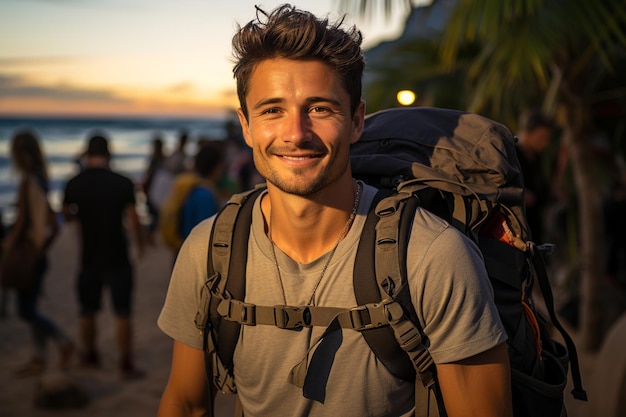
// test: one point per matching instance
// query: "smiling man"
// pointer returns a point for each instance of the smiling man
(299, 86)
(297, 122)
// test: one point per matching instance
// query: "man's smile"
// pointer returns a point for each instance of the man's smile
(299, 157)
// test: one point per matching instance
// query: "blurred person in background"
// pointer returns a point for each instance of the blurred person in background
(103, 201)
(535, 134)
(194, 195)
(155, 165)
(176, 162)
(173, 164)
(36, 219)
(241, 167)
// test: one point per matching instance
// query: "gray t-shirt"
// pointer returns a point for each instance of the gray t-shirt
(449, 288)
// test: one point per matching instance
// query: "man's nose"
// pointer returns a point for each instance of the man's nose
(297, 128)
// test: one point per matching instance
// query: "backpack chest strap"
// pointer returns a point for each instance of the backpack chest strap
(363, 317)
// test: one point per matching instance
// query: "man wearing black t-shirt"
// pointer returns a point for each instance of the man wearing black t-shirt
(102, 200)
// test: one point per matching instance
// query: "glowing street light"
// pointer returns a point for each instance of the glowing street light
(406, 97)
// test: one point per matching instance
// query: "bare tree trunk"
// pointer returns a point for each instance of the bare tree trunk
(591, 225)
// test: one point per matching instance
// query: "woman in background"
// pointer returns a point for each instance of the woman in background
(155, 167)
(35, 215)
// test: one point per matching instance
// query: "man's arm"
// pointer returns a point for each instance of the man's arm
(478, 386)
(187, 390)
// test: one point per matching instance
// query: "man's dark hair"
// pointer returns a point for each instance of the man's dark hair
(290, 33)
(208, 159)
(98, 145)
(534, 119)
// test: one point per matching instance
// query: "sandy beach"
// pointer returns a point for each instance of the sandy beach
(108, 394)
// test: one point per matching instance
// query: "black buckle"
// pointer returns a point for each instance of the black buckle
(237, 311)
(360, 318)
(291, 317)
(368, 316)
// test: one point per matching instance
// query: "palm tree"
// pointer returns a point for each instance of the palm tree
(564, 51)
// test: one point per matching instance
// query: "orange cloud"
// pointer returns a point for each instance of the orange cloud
(19, 95)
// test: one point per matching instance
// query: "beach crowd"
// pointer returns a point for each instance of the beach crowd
(81, 333)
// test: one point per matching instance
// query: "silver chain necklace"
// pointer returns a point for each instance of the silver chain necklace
(343, 233)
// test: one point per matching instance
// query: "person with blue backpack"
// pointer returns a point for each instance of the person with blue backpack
(299, 86)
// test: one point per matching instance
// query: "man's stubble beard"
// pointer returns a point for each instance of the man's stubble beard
(305, 187)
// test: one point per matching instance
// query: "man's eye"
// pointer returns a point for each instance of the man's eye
(318, 109)
(270, 111)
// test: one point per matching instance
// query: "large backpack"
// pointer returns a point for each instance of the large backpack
(462, 167)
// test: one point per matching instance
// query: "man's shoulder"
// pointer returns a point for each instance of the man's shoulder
(76, 179)
(98, 179)
(99, 172)
(429, 229)
(203, 229)
(118, 175)
(117, 178)
(427, 219)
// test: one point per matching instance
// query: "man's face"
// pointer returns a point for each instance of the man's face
(299, 124)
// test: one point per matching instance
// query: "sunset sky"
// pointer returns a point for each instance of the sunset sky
(153, 57)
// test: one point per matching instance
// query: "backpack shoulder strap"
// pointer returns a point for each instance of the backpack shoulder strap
(538, 263)
(366, 289)
(380, 266)
(226, 274)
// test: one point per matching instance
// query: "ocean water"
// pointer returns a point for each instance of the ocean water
(63, 139)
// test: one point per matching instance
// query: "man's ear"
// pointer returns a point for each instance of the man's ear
(358, 122)
(245, 128)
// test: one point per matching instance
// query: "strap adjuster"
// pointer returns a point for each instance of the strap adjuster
(368, 316)
(238, 311)
(410, 337)
(292, 317)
